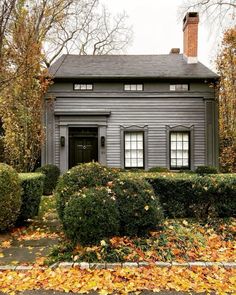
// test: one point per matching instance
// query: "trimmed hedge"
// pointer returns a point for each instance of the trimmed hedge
(82, 176)
(159, 169)
(139, 208)
(203, 170)
(10, 196)
(91, 215)
(32, 186)
(196, 196)
(52, 173)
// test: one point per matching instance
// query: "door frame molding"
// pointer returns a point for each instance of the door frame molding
(65, 122)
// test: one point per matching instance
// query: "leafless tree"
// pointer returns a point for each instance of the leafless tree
(6, 7)
(220, 13)
(88, 28)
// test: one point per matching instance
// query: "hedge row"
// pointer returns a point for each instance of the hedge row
(10, 196)
(20, 194)
(32, 190)
(183, 195)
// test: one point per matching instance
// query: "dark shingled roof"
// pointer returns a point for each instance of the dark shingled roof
(128, 66)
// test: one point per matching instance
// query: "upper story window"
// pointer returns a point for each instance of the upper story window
(179, 87)
(83, 87)
(133, 87)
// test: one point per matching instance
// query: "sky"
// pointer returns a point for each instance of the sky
(157, 28)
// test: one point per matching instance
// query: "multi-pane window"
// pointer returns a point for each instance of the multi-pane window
(134, 150)
(179, 150)
(133, 87)
(179, 87)
(83, 87)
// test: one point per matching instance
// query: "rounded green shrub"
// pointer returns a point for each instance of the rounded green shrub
(202, 170)
(52, 173)
(32, 191)
(81, 176)
(139, 208)
(10, 196)
(91, 215)
(159, 169)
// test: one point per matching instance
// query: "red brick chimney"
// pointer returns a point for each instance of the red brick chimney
(190, 29)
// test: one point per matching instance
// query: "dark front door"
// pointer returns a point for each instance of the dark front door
(83, 145)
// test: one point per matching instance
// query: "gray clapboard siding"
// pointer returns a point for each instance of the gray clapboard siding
(157, 112)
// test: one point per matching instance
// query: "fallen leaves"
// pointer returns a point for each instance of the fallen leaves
(122, 280)
(177, 240)
(27, 234)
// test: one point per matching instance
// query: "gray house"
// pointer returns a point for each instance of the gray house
(133, 111)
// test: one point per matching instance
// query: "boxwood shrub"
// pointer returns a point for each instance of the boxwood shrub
(196, 196)
(84, 175)
(52, 173)
(10, 196)
(32, 190)
(139, 208)
(91, 215)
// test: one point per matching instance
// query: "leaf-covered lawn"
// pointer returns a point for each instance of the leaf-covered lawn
(177, 240)
(122, 281)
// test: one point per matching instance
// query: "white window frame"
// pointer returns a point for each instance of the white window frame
(83, 86)
(179, 87)
(180, 128)
(134, 128)
(133, 87)
(133, 145)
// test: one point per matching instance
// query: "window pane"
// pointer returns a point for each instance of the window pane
(133, 137)
(134, 163)
(89, 86)
(140, 87)
(127, 163)
(172, 87)
(140, 145)
(185, 145)
(179, 136)
(179, 162)
(173, 162)
(185, 162)
(173, 136)
(179, 145)
(133, 145)
(77, 86)
(185, 154)
(127, 87)
(179, 154)
(127, 145)
(173, 154)
(140, 162)
(127, 137)
(173, 145)
(139, 136)
(140, 154)
(185, 137)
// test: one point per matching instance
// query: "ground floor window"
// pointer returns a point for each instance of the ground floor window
(134, 149)
(179, 150)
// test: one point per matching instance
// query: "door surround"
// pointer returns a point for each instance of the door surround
(83, 145)
(66, 122)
